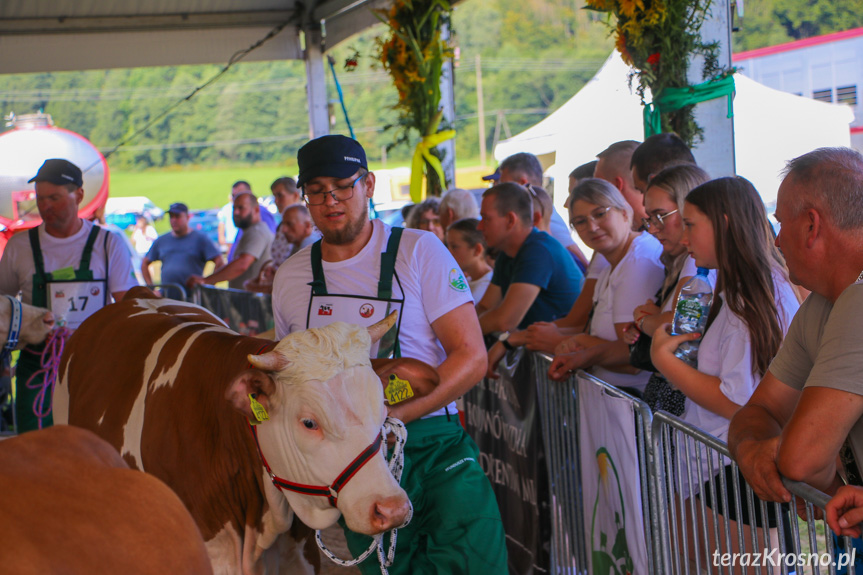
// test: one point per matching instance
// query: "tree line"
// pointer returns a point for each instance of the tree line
(534, 54)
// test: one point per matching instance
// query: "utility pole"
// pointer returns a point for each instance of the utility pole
(480, 109)
(716, 152)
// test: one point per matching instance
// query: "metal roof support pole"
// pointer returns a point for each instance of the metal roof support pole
(715, 153)
(316, 83)
(447, 92)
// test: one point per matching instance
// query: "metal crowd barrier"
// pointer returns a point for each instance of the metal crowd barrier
(691, 494)
(168, 290)
(245, 312)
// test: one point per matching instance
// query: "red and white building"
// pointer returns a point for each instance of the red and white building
(828, 68)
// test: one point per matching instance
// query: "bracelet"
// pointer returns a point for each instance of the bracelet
(507, 345)
(640, 323)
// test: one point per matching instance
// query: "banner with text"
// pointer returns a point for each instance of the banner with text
(611, 489)
(502, 416)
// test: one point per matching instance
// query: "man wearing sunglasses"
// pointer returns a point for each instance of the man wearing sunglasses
(359, 272)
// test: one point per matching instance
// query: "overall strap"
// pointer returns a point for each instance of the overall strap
(88, 248)
(388, 264)
(318, 283)
(37, 250)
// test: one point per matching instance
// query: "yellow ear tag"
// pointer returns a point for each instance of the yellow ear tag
(397, 390)
(258, 410)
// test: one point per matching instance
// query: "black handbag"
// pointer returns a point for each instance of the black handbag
(639, 353)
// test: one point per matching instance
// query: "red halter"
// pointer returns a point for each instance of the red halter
(331, 492)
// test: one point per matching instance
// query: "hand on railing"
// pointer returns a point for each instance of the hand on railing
(757, 461)
(845, 511)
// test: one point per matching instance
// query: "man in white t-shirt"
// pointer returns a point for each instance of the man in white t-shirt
(811, 399)
(359, 272)
(66, 264)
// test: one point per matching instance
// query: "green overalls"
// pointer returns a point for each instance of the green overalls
(86, 295)
(456, 526)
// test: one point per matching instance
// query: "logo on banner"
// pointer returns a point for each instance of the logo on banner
(457, 281)
(610, 551)
(325, 309)
(59, 294)
(94, 291)
(366, 310)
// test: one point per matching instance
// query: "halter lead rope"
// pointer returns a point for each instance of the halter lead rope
(50, 361)
(396, 465)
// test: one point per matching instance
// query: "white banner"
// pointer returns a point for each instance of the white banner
(611, 488)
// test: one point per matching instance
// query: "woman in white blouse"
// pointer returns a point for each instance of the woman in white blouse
(726, 229)
(603, 220)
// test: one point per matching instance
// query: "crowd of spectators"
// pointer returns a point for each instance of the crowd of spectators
(777, 380)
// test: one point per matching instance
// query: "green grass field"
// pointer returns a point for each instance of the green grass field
(206, 187)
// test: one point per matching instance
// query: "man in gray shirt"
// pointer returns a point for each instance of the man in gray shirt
(251, 251)
(810, 401)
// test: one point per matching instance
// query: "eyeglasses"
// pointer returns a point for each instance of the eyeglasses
(656, 220)
(596, 217)
(316, 195)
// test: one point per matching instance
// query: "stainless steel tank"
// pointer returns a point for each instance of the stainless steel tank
(30, 140)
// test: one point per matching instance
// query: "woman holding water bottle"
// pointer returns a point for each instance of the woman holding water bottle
(726, 229)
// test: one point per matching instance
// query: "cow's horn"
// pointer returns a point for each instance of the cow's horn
(377, 331)
(270, 361)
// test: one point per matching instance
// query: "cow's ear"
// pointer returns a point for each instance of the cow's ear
(251, 382)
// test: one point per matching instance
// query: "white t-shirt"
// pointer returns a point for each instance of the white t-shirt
(17, 266)
(427, 277)
(621, 289)
(726, 352)
(597, 265)
(479, 285)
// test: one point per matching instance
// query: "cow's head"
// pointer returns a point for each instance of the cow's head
(36, 323)
(325, 405)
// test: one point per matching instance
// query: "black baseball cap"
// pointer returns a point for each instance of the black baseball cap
(332, 156)
(59, 172)
(493, 177)
(178, 208)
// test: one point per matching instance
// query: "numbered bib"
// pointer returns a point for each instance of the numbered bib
(72, 302)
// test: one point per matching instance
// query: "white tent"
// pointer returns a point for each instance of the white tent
(770, 127)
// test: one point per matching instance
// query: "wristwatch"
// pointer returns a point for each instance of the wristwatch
(504, 339)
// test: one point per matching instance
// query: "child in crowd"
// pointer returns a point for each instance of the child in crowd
(467, 246)
(726, 229)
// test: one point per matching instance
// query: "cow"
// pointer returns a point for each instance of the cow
(170, 386)
(70, 504)
(36, 323)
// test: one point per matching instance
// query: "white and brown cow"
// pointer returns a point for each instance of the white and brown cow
(70, 504)
(36, 323)
(151, 376)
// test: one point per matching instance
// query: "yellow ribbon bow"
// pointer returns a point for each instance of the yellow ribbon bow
(423, 152)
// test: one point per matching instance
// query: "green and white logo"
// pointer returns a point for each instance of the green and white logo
(457, 281)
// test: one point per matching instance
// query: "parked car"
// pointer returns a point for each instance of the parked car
(122, 211)
(206, 222)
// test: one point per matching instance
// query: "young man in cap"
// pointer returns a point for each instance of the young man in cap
(359, 272)
(66, 264)
(183, 252)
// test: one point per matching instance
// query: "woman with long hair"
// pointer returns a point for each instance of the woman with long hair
(663, 203)
(726, 229)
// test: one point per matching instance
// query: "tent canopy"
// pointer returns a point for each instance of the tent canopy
(55, 35)
(770, 128)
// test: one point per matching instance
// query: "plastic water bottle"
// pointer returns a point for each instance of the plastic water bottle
(690, 314)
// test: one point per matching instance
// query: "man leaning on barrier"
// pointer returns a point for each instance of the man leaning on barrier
(811, 399)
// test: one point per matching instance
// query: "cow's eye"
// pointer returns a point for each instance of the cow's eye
(310, 423)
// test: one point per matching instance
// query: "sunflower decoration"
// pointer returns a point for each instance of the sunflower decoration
(412, 53)
(657, 38)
